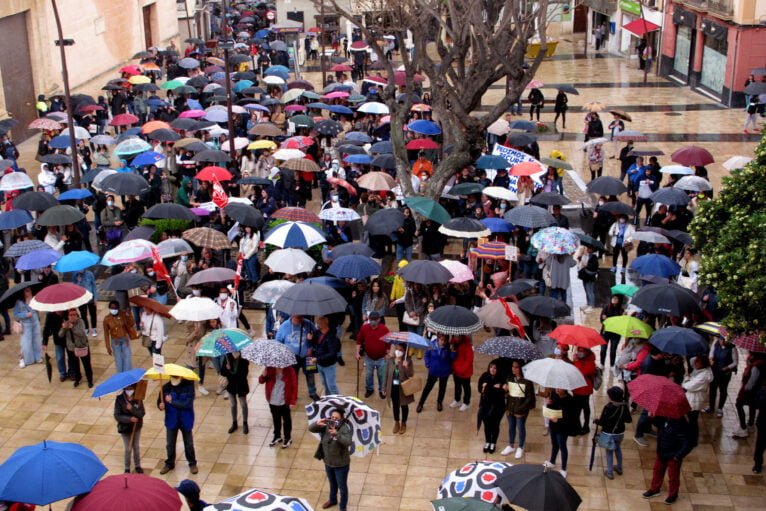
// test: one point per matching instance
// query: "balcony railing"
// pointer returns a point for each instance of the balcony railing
(603, 6)
(699, 4)
(724, 7)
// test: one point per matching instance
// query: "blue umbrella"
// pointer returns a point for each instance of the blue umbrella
(37, 259)
(424, 127)
(410, 338)
(89, 176)
(385, 147)
(318, 105)
(357, 137)
(129, 133)
(655, 264)
(147, 158)
(118, 381)
(679, 341)
(277, 73)
(340, 109)
(75, 194)
(328, 281)
(262, 33)
(48, 472)
(14, 219)
(357, 267)
(276, 68)
(523, 125)
(491, 161)
(193, 104)
(156, 102)
(497, 225)
(59, 142)
(360, 159)
(76, 261)
(242, 84)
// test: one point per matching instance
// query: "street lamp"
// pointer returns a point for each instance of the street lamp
(62, 44)
(226, 43)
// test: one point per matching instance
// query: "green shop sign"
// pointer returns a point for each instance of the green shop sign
(631, 7)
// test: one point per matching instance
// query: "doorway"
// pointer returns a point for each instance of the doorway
(580, 19)
(149, 12)
(18, 80)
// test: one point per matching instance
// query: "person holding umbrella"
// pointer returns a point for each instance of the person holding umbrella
(129, 414)
(76, 336)
(31, 337)
(51, 328)
(614, 416)
(336, 437)
(621, 234)
(521, 400)
(281, 394)
(674, 443)
(177, 401)
(612, 309)
(85, 278)
(235, 370)
(398, 370)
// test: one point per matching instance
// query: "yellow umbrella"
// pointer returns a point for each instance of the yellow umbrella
(171, 370)
(262, 144)
(137, 79)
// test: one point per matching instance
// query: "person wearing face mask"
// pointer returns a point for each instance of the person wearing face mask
(112, 222)
(439, 364)
(129, 414)
(336, 438)
(369, 341)
(153, 329)
(119, 329)
(399, 369)
(492, 388)
(585, 362)
(177, 400)
(180, 273)
(621, 234)
(230, 308)
(236, 370)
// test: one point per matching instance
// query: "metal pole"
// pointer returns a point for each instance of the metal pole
(321, 35)
(67, 95)
(229, 114)
(188, 23)
(646, 67)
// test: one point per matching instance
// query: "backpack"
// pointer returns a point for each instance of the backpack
(598, 378)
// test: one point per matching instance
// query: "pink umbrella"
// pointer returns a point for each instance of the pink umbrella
(59, 297)
(336, 95)
(192, 114)
(295, 108)
(123, 120)
(128, 252)
(385, 119)
(535, 84)
(459, 271)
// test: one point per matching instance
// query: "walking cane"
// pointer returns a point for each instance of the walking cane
(593, 449)
(357, 378)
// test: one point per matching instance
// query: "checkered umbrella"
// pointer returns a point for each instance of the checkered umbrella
(750, 342)
(24, 247)
(530, 216)
(207, 237)
(301, 164)
(453, 320)
(296, 215)
(268, 353)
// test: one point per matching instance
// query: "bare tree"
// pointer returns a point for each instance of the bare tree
(463, 47)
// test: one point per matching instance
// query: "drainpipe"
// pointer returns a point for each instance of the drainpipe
(734, 71)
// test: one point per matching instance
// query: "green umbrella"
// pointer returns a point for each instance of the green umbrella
(624, 289)
(590, 242)
(223, 341)
(466, 189)
(302, 121)
(556, 163)
(628, 326)
(172, 84)
(462, 504)
(428, 208)
(311, 95)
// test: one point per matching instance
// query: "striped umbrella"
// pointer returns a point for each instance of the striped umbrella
(712, 327)
(490, 250)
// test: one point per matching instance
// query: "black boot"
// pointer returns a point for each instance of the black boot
(233, 428)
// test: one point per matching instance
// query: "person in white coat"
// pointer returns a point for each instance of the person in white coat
(53, 240)
(230, 308)
(153, 327)
(47, 179)
(697, 387)
(248, 247)
(621, 234)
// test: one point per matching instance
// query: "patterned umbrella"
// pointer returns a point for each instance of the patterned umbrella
(659, 395)
(453, 320)
(555, 240)
(364, 421)
(294, 235)
(712, 328)
(223, 341)
(261, 501)
(128, 252)
(301, 164)
(268, 353)
(474, 480)
(207, 237)
(294, 214)
(750, 342)
(339, 215)
(490, 250)
(59, 297)
(510, 347)
(196, 308)
(269, 292)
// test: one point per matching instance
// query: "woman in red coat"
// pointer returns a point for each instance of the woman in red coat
(281, 394)
(585, 362)
(462, 370)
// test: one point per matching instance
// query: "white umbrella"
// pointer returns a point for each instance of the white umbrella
(289, 154)
(15, 181)
(498, 192)
(128, 252)
(677, 169)
(269, 292)
(373, 108)
(196, 309)
(693, 184)
(594, 141)
(554, 374)
(239, 143)
(339, 214)
(499, 127)
(101, 176)
(273, 80)
(291, 261)
(174, 247)
(81, 133)
(736, 162)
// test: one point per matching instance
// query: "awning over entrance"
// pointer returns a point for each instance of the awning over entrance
(640, 27)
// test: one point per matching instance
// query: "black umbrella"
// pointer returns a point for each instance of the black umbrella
(24, 247)
(466, 189)
(464, 227)
(35, 201)
(384, 222)
(56, 159)
(384, 161)
(354, 248)
(245, 215)
(529, 216)
(590, 242)
(516, 287)
(146, 87)
(310, 299)
(666, 300)
(170, 210)
(425, 272)
(510, 347)
(125, 183)
(196, 147)
(755, 89)
(10, 296)
(618, 208)
(239, 59)
(184, 123)
(350, 149)
(536, 487)
(679, 341)
(453, 320)
(164, 135)
(680, 236)
(60, 215)
(544, 306)
(245, 75)
(569, 89)
(198, 81)
(671, 197)
(211, 156)
(252, 180)
(549, 199)
(89, 176)
(125, 281)
(606, 185)
(140, 233)
(521, 139)
(646, 151)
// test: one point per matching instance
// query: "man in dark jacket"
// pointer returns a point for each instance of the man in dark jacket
(177, 400)
(53, 322)
(674, 443)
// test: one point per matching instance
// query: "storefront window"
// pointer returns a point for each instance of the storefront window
(683, 47)
(714, 64)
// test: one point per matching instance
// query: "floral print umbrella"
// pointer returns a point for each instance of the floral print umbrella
(555, 240)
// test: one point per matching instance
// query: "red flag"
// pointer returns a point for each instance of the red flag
(220, 198)
(159, 266)
(240, 261)
(513, 319)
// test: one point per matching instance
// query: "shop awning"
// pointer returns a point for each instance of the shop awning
(641, 27)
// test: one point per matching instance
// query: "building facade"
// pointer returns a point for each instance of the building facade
(714, 45)
(106, 33)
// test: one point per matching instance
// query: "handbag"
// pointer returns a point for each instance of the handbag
(550, 413)
(409, 320)
(412, 386)
(81, 352)
(146, 341)
(310, 365)
(17, 327)
(319, 453)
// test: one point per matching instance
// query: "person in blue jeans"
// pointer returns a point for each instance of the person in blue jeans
(369, 340)
(521, 399)
(53, 322)
(31, 337)
(119, 329)
(613, 418)
(561, 427)
(295, 335)
(325, 349)
(336, 440)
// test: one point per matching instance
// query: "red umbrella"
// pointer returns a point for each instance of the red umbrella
(212, 172)
(132, 70)
(128, 492)
(577, 335)
(90, 108)
(525, 168)
(342, 182)
(422, 143)
(59, 297)
(123, 120)
(340, 68)
(692, 156)
(376, 79)
(296, 215)
(297, 143)
(750, 342)
(359, 45)
(660, 396)
(400, 78)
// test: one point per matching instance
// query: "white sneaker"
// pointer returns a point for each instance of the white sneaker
(563, 473)
(464, 407)
(519, 453)
(251, 332)
(203, 391)
(548, 464)
(21, 363)
(94, 332)
(454, 404)
(508, 450)
(740, 433)
(226, 396)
